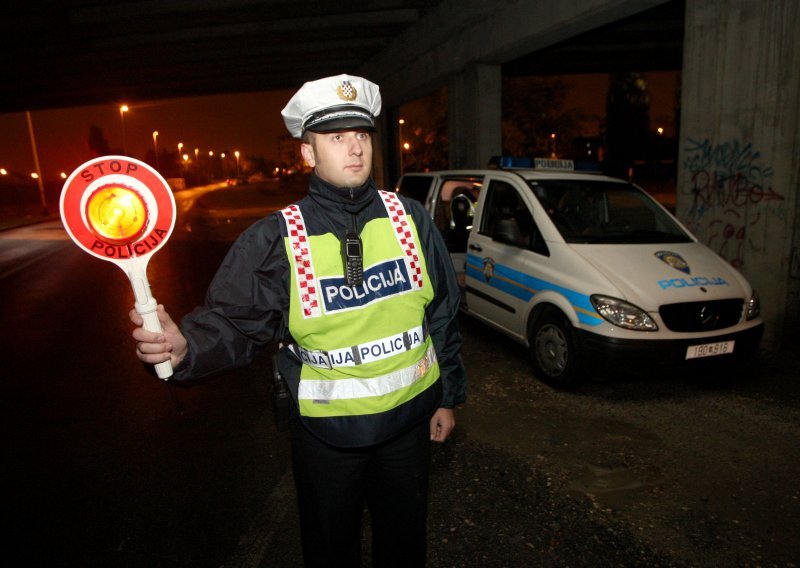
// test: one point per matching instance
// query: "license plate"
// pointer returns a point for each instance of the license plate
(709, 349)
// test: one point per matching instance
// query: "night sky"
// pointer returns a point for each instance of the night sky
(249, 123)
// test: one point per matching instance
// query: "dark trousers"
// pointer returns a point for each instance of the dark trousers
(334, 485)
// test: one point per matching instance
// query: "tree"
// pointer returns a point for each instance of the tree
(425, 132)
(98, 145)
(628, 122)
(534, 120)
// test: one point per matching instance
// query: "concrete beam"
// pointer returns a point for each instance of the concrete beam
(461, 33)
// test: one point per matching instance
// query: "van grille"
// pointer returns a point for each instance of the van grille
(702, 316)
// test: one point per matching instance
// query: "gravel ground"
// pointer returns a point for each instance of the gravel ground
(662, 469)
(659, 471)
(491, 509)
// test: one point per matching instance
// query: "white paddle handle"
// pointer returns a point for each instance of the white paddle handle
(146, 307)
(151, 323)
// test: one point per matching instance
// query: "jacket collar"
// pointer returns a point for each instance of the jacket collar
(328, 194)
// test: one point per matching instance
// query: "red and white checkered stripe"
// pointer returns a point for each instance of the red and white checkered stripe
(303, 268)
(402, 230)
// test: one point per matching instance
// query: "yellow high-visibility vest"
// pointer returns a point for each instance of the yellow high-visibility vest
(367, 359)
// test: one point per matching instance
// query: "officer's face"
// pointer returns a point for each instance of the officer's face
(341, 158)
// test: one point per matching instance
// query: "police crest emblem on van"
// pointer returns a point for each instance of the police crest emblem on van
(675, 260)
(488, 268)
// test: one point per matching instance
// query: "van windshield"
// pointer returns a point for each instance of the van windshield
(605, 212)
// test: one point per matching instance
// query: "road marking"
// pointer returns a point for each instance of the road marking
(15, 259)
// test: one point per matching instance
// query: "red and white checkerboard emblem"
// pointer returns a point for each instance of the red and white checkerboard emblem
(402, 230)
(303, 268)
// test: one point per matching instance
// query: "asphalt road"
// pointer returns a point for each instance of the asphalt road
(105, 465)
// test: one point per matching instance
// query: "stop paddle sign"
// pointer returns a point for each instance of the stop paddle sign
(121, 210)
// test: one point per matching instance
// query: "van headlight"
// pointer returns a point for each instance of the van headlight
(752, 308)
(623, 314)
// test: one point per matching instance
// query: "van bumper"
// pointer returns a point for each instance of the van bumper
(602, 354)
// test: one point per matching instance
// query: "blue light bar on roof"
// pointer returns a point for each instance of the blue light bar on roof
(510, 162)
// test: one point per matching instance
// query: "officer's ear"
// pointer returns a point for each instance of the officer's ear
(307, 151)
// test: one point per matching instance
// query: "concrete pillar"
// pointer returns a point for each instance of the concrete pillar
(382, 172)
(739, 156)
(387, 161)
(473, 116)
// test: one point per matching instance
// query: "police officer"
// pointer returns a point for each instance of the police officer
(358, 288)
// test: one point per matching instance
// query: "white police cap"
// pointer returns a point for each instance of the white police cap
(334, 103)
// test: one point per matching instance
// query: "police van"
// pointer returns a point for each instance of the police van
(589, 272)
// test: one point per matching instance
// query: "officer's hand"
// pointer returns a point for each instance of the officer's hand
(153, 347)
(442, 423)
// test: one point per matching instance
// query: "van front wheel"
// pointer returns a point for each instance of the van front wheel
(555, 353)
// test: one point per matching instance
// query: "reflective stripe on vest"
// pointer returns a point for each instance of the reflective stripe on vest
(303, 268)
(322, 391)
(363, 353)
(398, 217)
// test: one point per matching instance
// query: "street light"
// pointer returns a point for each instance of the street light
(210, 163)
(401, 122)
(122, 110)
(236, 153)
(155, 147)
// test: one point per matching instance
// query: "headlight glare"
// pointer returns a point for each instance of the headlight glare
(623, 314)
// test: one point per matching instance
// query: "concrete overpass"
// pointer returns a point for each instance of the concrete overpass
(739, 156)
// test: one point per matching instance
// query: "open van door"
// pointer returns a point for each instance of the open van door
(453, 210)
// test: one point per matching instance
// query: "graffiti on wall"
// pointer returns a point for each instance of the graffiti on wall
(730, 192)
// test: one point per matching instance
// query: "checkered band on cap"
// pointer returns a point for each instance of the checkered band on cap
(303, 268)
(405, 237)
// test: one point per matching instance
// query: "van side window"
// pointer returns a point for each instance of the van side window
(507, 219)
(415, 187)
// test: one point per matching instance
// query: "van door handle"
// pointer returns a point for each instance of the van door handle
(475, 247)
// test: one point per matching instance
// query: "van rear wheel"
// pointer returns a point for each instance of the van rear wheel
(556, 357)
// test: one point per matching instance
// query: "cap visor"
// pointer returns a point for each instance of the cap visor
(344, 123)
